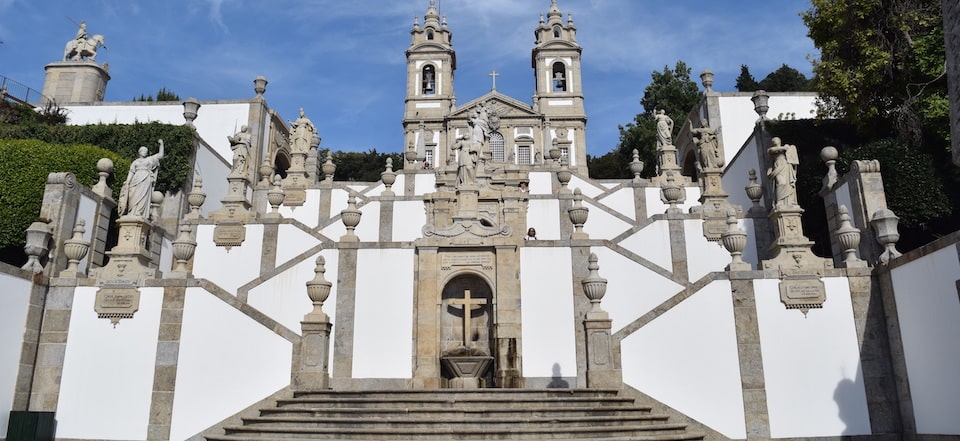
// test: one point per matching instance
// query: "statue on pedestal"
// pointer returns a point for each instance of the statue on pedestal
(709, 154)
(240, 144)
(467, 158)
(783, 173)
(81, 47)
(664, 129)
(138, 188)
(303, 132)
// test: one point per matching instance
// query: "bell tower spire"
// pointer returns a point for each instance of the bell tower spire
(431, 62)
(559, 95)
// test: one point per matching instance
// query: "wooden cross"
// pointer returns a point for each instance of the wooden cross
(468, 303)
(494, 75)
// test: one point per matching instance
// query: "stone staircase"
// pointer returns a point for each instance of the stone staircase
(484, 414)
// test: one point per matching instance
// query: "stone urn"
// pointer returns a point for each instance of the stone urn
(76, 248)
(196, 197)
(578, 214)
(564, 175)
(636, 166)
(328, 167)
(183, 248)
(410, 155)
(554, 153)
(468, 366)
(594, 286)
(753, 189)
(38, 234)
(275, 197)
(734, 239)
(848, 236)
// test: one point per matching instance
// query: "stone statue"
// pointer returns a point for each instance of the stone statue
(303, 132)
(138, 188)
(709, 154)
(240, 144)
(467, 159)
(664, 129)
(783, 173)
(479, 125)
(81, 47)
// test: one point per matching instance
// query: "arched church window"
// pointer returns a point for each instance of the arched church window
(429, 34)
(429, 86)
(496, 146)
(556, 31)
(559, 77)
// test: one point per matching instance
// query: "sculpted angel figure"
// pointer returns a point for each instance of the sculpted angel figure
(783, 173)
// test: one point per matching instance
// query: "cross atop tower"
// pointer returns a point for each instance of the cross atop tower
(494, 75)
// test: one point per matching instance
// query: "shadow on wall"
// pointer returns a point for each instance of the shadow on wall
(846, 397)
(557, 381)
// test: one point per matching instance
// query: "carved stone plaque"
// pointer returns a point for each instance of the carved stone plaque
(803, 293)
(115, 303)
(294, 196)
(229, 235)
(451, 261)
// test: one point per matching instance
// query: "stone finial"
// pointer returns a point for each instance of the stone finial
(564, 175)
(266, 173)
(578, 215)
(260, 86)
(183, 248)
(761, 101)
(735, 240)
(156, 199)
(829, 156)
(190, 108)
(350, 218)
(671, 193)
(75, 249)
(38, 235)
(636, 166)
(884, 223)
(594, 286)
(754, 190)
(318, 289)
(849, 237)
(328, 168)
(275, 197)
(388, 177)
(196, 198)
(706, 79)
(104, 168)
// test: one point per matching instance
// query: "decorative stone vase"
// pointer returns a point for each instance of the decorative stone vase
(594, 286)
(734, 239)
(260, 85)
(671, 192)
(76, 248)
(190, 108)
(578, 214)
(196, 197)
(706, 79)
(554, 153)
(328, 167)
(410, 155)
(848, 236)
(753, 189)
(275, 196)
(38, 234)
(564, 175)
(388, 177)
(351, 215)
(636, 166)
(760, 103)
(318, 289)
(884, 223)
(266, 172)
(183, 248)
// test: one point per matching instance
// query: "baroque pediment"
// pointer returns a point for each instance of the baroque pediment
(505, 105)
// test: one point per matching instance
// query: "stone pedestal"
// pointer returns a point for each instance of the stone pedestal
(233, 214)
(602, 370)
(667, 158)
(311, 369)
(713, 204)
(75, 82)
(130, 260)
(295, 184)
(467, 203)
(796, 265)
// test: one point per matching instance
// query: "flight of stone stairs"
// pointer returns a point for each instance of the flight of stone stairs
(483, 414)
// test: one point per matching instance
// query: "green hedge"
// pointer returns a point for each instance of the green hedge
(24, 166)
(122, 139)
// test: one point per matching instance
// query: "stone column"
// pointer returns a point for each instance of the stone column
(75, 82)
(426, 369)
(751, 359)
(603, 354)
(310, 358)
(678, 244)
(45, 387)
(508, 331)
(168, 351)
(346, 308)
(31, 344)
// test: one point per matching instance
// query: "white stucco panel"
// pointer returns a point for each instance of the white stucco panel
(307, 214)
(543, 215)
(424, 183)
(284, 297)
(227, 361)
(703, 256)
(622, 201)
(811, 365)
(687, 359)
(586, 187)
(409, 218)
(383, 315)
(291, 241)
(656, 206)
(603, 225)
(13, 318)
(229, 269)
(107, 381)
(541, 183)
(652, 243)
(547, 314)
(926, 294)
(632, 289)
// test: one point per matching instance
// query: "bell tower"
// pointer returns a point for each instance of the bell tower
(559, 95)
(431, 62)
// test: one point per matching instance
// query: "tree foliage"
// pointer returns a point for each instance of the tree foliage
(362, 166)
(784, 79)
(163, 94)
(881, 63)
(671, 90)
(745, 81)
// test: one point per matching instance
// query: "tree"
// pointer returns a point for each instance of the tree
(785, 79)
(671, 90)
(362, 166)
(163, 94)
(881, 63)
(746, 82)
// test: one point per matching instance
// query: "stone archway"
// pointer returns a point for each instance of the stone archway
(466, 292)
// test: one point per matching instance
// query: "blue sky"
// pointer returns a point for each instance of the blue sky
(343, 61)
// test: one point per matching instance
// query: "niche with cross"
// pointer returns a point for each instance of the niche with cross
(465, 319)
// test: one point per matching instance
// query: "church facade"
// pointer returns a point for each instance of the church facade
(266, 281)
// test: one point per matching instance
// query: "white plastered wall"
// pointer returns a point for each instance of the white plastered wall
(811, 364)
(687, 359)
(284, 298)
(229, 269)
(383, 315)
(632, 289)
(107, 381)
(737, 176)
(926, 295)
(214, 170)
(657, 206)
(738, 117)
(543, 215)
(704, 257)
(13, 318)
(622, 201)
(541, 183)
(227, 362)
(547, 314)
(409, 218)
(308, 213)
(603, 225)
(424, 183)
(86, 210)
(652, 242)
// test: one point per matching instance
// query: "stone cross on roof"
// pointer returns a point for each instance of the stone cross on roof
(494, 75)
(468, 303)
